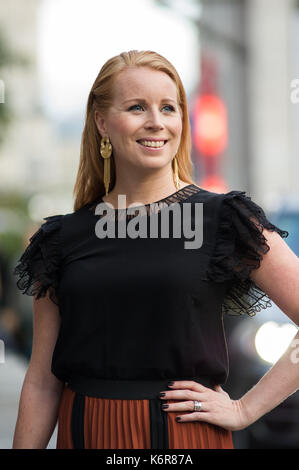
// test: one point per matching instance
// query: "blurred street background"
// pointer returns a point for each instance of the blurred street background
(239, 63)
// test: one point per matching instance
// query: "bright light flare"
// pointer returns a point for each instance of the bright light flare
(272, 340)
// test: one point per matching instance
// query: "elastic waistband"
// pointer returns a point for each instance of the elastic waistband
(126, 389)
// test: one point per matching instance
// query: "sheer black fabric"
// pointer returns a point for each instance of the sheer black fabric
(145, 209)
(38, 267)
(239, 249)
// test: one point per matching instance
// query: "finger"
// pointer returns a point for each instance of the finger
(190, 384)
(179, 406)
(196, 416)
(184, 395)
(182, 406)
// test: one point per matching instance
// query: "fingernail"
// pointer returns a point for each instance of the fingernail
(164, 406)
(170, 383)
(178, 418)
(162, 394)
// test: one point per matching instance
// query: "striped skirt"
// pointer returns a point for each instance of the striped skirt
(92, 422)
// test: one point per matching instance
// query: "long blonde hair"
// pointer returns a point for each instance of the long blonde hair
(89, 183)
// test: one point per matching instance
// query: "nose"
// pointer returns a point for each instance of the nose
(154, 120)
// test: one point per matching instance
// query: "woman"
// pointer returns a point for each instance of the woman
(129, 350)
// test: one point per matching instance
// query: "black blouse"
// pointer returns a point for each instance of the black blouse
(148, 308)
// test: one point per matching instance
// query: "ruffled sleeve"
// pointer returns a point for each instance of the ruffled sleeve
(240, 246)
(38, 268)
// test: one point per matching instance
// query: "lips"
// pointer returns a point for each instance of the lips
(151, 140)
(152, 148)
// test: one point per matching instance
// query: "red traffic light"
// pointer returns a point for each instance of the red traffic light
(210, 125)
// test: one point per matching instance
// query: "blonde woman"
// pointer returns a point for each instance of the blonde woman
(129, 349)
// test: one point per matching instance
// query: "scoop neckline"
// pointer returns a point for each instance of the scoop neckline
(178, 197)
(176, 193)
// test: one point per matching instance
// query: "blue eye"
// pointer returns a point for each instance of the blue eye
(166, 106)
(134, 106)
(169, 106)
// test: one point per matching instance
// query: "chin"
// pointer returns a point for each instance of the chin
(155, 162)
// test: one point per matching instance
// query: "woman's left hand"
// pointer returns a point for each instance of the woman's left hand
(217, 406)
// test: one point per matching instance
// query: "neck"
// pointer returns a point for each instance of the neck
(143, 192)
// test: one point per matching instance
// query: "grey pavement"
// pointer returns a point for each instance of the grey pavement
(12, 373)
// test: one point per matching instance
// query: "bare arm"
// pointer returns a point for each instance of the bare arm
(41, 391)
(277, 276)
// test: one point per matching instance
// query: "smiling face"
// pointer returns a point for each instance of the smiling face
(144, 107)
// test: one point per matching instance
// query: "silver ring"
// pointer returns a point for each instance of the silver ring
(197, 405)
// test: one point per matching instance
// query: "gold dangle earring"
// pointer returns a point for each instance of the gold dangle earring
(106, 151)
(176, 173)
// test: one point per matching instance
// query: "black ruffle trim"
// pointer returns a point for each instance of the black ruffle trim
(38, 267)
(240, 246)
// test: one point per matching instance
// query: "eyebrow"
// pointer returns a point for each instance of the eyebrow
(144, 101)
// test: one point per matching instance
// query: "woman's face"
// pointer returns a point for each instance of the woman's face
(144, 108)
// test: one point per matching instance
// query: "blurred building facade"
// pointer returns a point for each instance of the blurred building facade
(270, 72)
(252, 43)
(34, 157)
(222, 27)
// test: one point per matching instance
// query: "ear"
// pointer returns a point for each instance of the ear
(100, 123)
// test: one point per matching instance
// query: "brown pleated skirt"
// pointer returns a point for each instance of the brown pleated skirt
(125, 424)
